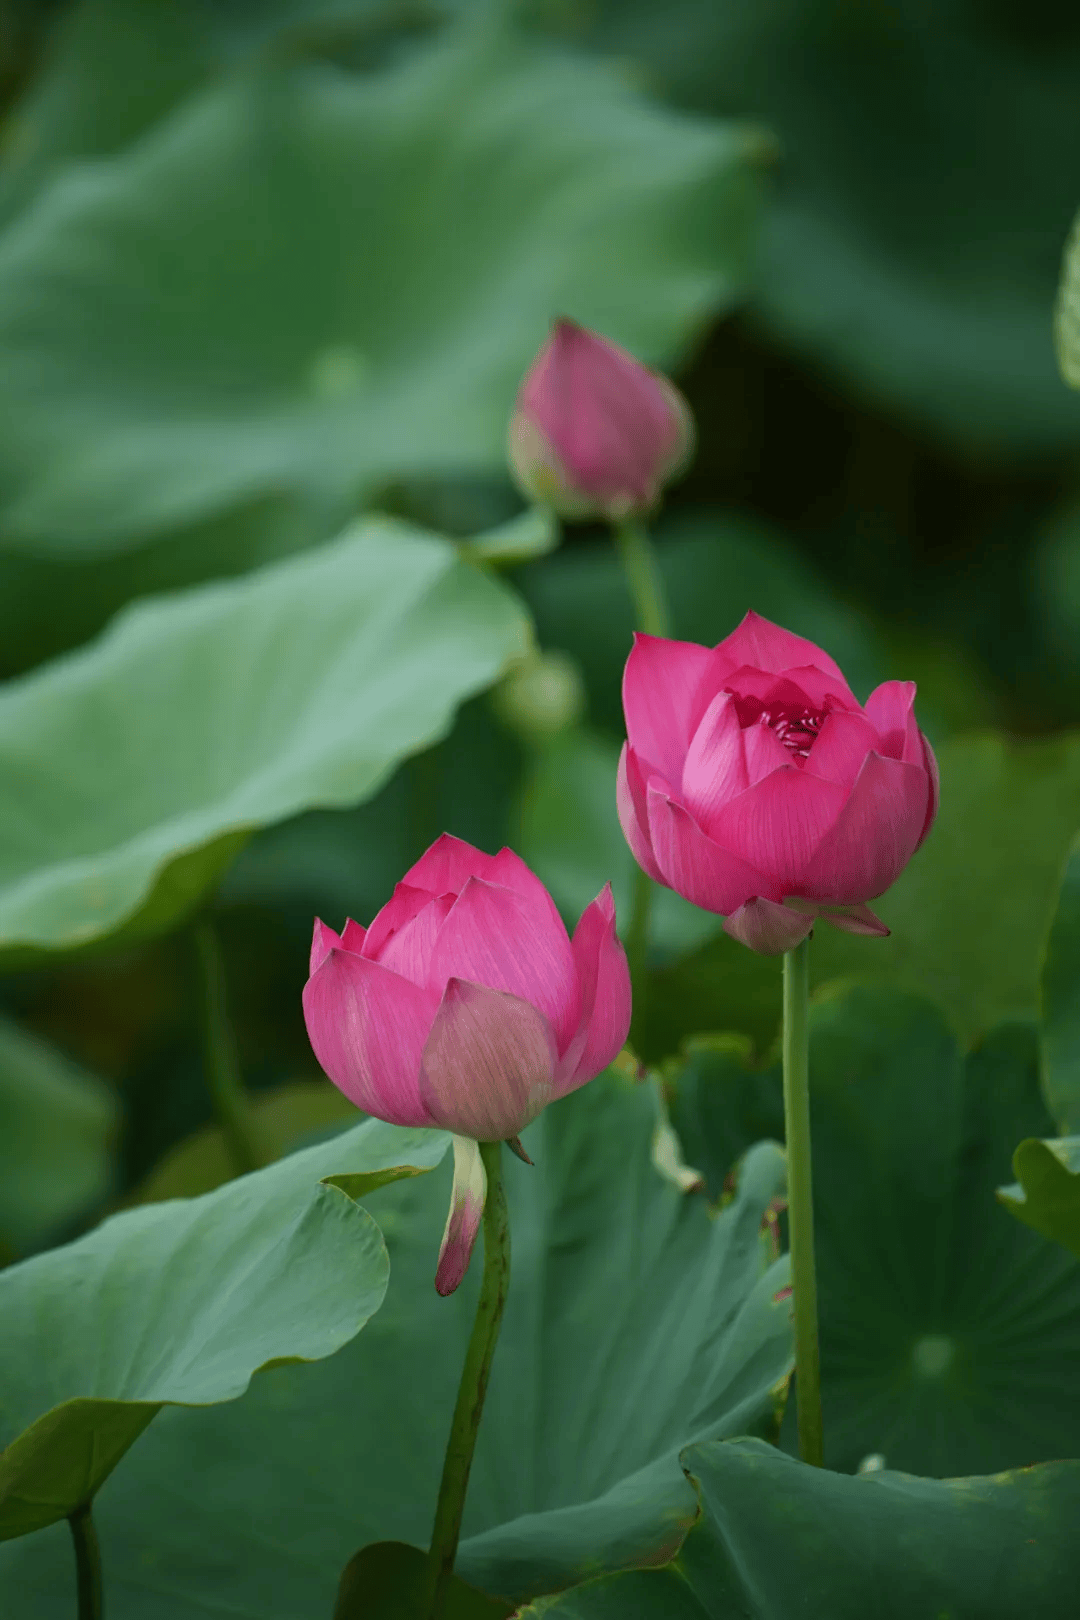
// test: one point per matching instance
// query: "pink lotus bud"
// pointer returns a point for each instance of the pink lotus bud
(753, 783)
(466, 1006)
(594, 432)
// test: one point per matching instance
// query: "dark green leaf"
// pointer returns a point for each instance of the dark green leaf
(181, 1303)
(201, 716)
(1047, 1194)
(776, 1539)
(1060, 1024)
(386, 1582)
(635, 1322)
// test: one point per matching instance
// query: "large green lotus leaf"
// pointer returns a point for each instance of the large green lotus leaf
(309, 282)
(968, 916)
(913, 245)
(1060, 1023)
(1046, 1194)
(635, 1322)
(137, 765)
(181, 1303)
(57, 1122)
(949, 1335)
(776, 1539)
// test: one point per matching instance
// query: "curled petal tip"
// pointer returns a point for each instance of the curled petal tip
(467, 1201)
(514, 1144)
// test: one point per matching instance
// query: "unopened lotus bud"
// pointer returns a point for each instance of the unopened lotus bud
(594, 432)
(542, 697)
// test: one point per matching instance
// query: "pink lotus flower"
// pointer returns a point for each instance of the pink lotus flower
(594, 432)
(466, 1006)
(754, 784)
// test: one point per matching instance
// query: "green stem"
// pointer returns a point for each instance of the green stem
(473, 1386)
(637, 948)
(643, 578)
(232, 1108)
(801, 1200)
(87, 1564)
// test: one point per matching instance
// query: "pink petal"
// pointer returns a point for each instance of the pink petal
(715, 766)
(934, 777)
(447, 865)
(367, 1028)
(323, 941)
(777, 825)
(633, 817)
(764, 645)
(489, 1063)
(510, 872)
(768, 928)
(855, 920)
(696, 867)
(404, 904)
(467, 1200)
(840, 747)
(353, 937)
(874, 837)
(409, 951)
(495, 937)
(822, 688)
(605, 996)
(764, 752)
(890, 710)
(663, 702)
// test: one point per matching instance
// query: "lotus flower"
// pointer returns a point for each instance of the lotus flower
(466, 1006)
(594, 432)
(753, 783)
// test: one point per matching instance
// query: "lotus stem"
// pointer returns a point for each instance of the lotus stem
(796, 1054)
(643, 578)
(87, 1564)
(232, 1107)
(469, 1409)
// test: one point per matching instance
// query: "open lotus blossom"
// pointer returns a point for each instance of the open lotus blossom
(466, 1006)
(594, 432)
(756, 785)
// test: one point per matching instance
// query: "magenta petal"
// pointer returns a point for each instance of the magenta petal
(367, 1028)
(767, 646)
(840, 747)
(874, 837)
(495, 937)
(510, 872)
(890, 710)
(467, 1201)
(764, 752)
(409, 950)
(934, 778)
(605, 996)
(777, 825)
(323, 941)
(447, 865)
(696, 867)
(489, 1063)
(715, 765)
(768, 928)
(353, 937)
(662, 701)
(404, 904)
(633, 817)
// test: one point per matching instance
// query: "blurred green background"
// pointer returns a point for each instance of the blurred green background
(268, 266)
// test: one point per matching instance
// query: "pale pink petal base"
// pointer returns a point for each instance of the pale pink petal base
(489, 1064)
(768, 928)
(466, 1212)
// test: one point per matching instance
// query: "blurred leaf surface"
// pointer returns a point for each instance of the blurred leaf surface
(625, 1298)
(388, 1581)
(57, 1122)
(948, 1336)
(183, 1302)
(313, 282)
(139, 764)
(1060, 1023)
(776, 1539)
(1046, 1195)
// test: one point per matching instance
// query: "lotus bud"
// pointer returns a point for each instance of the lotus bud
(595, 434)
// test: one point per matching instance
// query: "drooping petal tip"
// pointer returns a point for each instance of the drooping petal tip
(467, 1201)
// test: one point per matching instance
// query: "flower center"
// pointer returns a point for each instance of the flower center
(797, 729)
